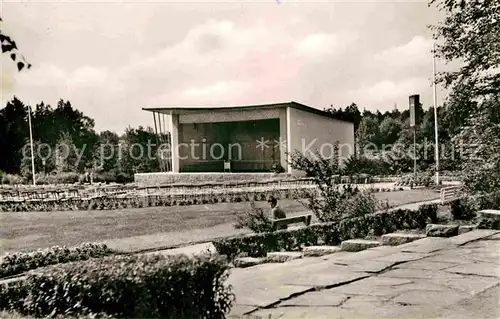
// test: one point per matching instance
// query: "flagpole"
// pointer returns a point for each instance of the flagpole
(435, 112)
(31, 142)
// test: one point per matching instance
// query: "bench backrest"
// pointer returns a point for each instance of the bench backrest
(450, 193)
(306, 219)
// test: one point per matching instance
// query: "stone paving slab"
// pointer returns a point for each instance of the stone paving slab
(400, 272)
(269, 295)
(495, 237)
(237, 311)
(356, 245)
(485, 304)
(370, 266)
(428, 265)
(400, 257)
(468, 284)
(319, 279)
(317, 251)
(396, 239)
(472, 236)
(478, 269)
(284, 255)
(325, 298)
(372, 253)
(429, 297)
(357, 311)
(416, 285)
(426, 245)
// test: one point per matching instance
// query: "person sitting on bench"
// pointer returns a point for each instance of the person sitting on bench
(276, 211)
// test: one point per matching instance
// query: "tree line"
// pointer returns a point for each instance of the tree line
(65, 141)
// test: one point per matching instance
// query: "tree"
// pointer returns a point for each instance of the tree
(471, 36)
(139, 152)
(368, 133)
(350, 113)
(480, 146)
(106, 152)
(390, 129)
(13, 132)
(9, 46)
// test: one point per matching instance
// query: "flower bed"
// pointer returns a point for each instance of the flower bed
(147, 286)
(258, 245)
(16, 263)
(113, 202)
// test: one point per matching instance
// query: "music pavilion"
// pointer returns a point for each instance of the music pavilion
(248, 139)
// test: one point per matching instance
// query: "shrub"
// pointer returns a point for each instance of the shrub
(11, 179)
(66, 178)
(360, 204)
(139, 286)
(429, 210)
(277, 168)
(15, 263)
(462, 209)
(332, 233)
(255, 220)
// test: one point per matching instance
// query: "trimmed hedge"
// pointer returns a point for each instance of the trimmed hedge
(112, 202)
(258, 245)
(146, 286)
(16, 263)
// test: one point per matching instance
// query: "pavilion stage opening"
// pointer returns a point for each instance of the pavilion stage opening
(249, 146)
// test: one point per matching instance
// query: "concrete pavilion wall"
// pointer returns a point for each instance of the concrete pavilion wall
(309, 131)
(198, 126)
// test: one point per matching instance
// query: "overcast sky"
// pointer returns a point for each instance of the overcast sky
(111, 59)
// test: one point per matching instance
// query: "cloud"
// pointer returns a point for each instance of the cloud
(388, 90)
(322, 45)
(413, 54)
(87, 76)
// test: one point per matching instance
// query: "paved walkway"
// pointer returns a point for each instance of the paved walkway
(457, 277)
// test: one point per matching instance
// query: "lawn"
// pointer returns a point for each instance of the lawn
(142, 228)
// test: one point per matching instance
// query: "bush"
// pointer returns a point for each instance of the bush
(66, 178)
(139, 286)
(15, 263)
(332, 233)
(255, 220)
(11, 179)
(465, 208)
(462, 209)
(360, 204)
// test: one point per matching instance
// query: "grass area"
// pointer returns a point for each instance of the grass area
(31, 230)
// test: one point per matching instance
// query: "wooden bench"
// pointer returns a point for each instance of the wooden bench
(306, 219)
(450, 193)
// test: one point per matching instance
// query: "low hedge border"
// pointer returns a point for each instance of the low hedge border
(15, 263)
(145, 286)
(108, 203)
(332, 233)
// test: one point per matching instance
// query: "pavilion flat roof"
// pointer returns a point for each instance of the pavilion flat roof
(199, 109)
